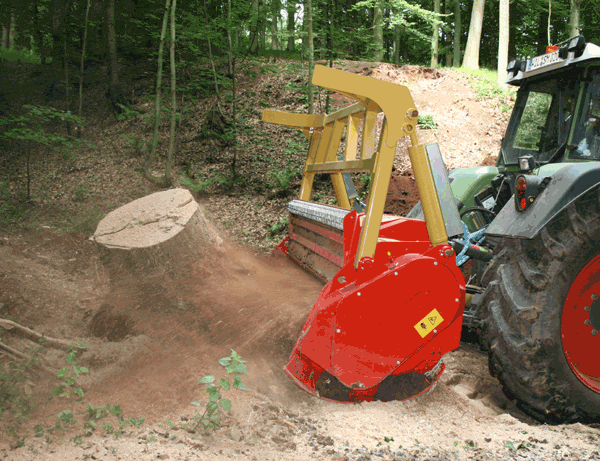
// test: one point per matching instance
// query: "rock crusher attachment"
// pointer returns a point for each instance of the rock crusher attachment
(394, 297)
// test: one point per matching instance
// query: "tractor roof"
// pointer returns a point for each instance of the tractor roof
(574, 53)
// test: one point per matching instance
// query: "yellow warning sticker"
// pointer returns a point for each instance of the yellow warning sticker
(428, 323)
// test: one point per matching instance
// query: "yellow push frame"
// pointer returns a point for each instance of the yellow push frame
(325, 132)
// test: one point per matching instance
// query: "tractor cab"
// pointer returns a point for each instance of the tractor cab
(555, 121)
(547, 123)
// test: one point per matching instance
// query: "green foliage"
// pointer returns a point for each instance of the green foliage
(95, 414)
(211, 418)
(126, 113)
(364, 184)
(487, 84)
(282, 179)
(295, 146)
(427, 122)
(196, 187)
(32, 128)
(69, 375)
(15, 396)
(139, 145)
(20, 54)
(279, 227)
(511, 446)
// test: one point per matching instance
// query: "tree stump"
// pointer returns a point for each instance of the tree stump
(149, 248)
(160, 232)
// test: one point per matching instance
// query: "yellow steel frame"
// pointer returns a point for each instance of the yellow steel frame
(325, 133)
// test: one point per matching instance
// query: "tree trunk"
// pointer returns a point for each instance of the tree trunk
(263, 33)
(85, 29)
(435, 42)
(67, 84)
(112, 43)
(4, 37)
(503, 44)
(291, 11)
(471, 59)
(574, 18)
(541, 32)
(12, 28)
(233, 93)
(58, 30)
(275, 15)
(116, 94)
(378, 30)
(457, 34)
(254, 27)
(397, 44)
(447, 39)
(157, 101)
(311, 53)
(173, 97)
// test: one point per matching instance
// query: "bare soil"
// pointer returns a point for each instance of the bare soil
(149, 343)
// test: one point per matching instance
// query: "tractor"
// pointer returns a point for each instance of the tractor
(395, 300)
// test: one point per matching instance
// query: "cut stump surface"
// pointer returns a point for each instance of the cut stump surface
(160, 230)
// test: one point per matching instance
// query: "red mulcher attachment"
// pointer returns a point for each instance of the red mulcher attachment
(394, 298)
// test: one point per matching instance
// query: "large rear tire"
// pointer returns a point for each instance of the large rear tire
(541, 318)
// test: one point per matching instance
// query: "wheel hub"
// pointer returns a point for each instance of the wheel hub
(580, 325)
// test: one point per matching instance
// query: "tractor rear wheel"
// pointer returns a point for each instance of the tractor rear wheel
(541, 316)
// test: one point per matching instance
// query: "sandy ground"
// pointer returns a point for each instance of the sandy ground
(256, 306)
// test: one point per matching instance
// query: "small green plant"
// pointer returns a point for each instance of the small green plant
(97, 413)
(211, 418)
(364, 184)
(279, 226)
(196, 187)
(511, 446)
(426, 122)
(81, 193)
(69, 374)
(388, 439)
(15, 398)
(127, 113)
(295, 146)
(283, 179)
(139, 145)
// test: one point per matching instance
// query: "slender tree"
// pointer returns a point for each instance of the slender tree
(310, 51)
(253, 48)
(157, 101)
(503, 43)
(173, 98)
(85, 30)
(233, 90)
(435, 44)
(471, 59)
(275, 7)
(447, 40)
(12, 27)
(574, 18)
(291, 11)
(396, 43)
(457, 34)
(378, 30)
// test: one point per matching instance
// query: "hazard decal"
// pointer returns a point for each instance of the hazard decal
(428, 323)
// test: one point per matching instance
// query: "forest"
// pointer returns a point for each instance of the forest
(112, 46)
